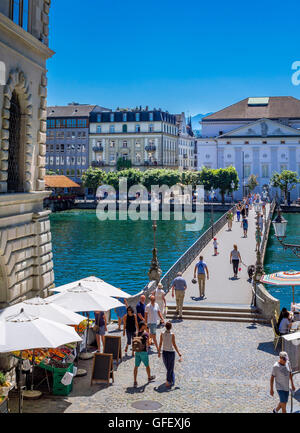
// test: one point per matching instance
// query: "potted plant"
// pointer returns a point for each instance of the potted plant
(4, 385)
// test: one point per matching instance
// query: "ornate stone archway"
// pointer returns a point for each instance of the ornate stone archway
(17, 82)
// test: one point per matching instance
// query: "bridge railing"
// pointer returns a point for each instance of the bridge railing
(189, 256)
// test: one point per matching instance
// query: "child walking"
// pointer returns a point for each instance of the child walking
(215, 243)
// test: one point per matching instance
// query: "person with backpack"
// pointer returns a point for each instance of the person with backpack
(130, 325)
(201, 268)
(245, 226)
(168, 344)
(140, 347)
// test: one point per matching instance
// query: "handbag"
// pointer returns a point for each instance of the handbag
(96, 327)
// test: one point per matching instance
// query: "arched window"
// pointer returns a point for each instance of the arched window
(14, 177)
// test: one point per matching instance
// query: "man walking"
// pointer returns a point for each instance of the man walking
(152, 314)
(140, 309)
(201, 267)
(179, 285)
(281, 373)
(141, 352)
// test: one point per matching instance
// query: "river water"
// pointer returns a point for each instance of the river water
(119, 252)
(278, 259)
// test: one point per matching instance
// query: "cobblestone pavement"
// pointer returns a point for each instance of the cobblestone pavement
(226, 368)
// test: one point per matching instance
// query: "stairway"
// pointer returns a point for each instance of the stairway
(218, 312)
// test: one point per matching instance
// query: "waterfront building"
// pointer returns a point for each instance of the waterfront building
(186, 143)
(147, 138)
(68, 139)
(26, 267)
(255, 135)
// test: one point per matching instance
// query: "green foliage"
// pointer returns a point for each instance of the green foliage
(2, 378)
(123, 163)
(208, 178)
(286, 181)
(50, 172)
(134, 176)
(152, 177)
(252, 182)
(223, 178)
(112, 179)
(93, 177)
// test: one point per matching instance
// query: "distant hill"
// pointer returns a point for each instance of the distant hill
(196, 119)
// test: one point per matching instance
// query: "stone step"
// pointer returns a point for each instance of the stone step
(221, 308)
(221, 318)
(217, 313)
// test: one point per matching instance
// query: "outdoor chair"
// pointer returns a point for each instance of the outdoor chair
(277, 337)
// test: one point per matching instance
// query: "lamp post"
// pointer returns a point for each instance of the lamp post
(212, 195)
(232, 189)
(258, 265)
(154, 271)
(279, 224)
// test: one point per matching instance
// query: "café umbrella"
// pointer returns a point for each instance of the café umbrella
(24, 332)
(283, 278)
(94, 283)
(45, 308)
(81, 298)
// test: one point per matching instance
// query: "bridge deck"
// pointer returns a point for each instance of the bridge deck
(221, 288)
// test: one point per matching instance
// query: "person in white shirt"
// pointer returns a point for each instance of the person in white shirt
(215, 244)
(281, 374)
(152, 314)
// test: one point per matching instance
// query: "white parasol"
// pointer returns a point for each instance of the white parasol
(45, 308)
(94, 283)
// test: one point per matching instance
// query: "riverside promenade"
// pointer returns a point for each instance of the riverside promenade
(221, 288)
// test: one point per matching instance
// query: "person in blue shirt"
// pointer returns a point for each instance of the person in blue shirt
(140, 309)
(201, 268)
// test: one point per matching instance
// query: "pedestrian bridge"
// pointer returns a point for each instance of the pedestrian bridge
(225, 297)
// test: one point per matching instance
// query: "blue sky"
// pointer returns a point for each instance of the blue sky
(190, 55)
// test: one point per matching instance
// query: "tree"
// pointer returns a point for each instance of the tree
(252, 182)
(133, 176)
(286, 181)
(152, 177)
(50, 172)
(207, 177)
(169, 177)
(123, 163)
(224, 178)
(93, 177)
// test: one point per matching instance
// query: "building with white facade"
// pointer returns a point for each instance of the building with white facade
(257, 136)
(186, 143)
(148, 138)
(26, 267)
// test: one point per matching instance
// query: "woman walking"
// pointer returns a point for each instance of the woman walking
(238, 212)
(100, 322)
(245, 226)
(235, 259)
(229, 220)
(168, 344)
(160, 299)
(130, 325)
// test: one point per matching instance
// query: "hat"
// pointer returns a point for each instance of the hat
(194, 281)
(283, 355)
(215, 239)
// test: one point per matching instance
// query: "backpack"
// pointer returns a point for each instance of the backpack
(137, 344)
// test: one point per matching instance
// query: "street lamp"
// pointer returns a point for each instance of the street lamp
(154, 271)
(258, 265)
(280, 224)
(232, 188)
(212, 195)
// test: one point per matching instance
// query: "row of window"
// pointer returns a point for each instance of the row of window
(112, 129)
(51, 134)
(67, 123)
(19, 12)
(68, 160)
(124, 117)
(65, 147)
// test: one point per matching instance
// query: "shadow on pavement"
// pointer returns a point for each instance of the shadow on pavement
(267, 347)
(163, 388)
(137, 390)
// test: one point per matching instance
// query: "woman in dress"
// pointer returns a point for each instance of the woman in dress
(160, 299)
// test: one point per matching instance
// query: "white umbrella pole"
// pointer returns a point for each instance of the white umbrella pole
(19, 383)
(32, 370)
(293, 287)
(87, 331)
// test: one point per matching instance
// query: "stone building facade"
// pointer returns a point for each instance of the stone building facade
(186, 143)
(26, 267)
(257, 136)
(148, 138)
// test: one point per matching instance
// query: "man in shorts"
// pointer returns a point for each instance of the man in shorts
(152, 314)
(281, 373)
(142, 356)
(201, 267)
